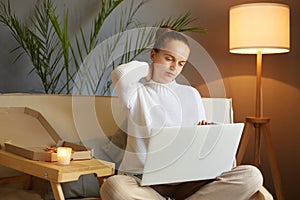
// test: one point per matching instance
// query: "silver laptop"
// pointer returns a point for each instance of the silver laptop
(179, 154)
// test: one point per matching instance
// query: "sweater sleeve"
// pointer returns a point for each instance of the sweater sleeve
(126, 80)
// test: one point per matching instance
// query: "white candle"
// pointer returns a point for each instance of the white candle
(64, 155)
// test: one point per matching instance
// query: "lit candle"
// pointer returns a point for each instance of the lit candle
(64, 155)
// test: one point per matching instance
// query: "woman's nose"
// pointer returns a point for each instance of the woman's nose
(173, 66)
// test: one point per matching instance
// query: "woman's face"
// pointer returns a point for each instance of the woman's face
(169, 61)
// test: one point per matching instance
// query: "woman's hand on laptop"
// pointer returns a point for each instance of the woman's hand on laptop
(203, 122)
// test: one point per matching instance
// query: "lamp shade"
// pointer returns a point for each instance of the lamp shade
(263, 27)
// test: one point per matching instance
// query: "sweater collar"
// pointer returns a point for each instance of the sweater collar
(155, 85)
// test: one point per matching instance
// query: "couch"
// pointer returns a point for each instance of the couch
(97, 122)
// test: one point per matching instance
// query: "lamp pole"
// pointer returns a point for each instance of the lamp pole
(258, 113)
(262, 127)
(258, 85)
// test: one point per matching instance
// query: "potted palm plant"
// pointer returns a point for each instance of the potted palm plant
(58, 60)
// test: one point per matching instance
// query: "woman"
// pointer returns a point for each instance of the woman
(154, 99)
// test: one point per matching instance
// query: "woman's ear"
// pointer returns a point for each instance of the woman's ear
(152, 54)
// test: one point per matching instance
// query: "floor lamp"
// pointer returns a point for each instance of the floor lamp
(260, 28)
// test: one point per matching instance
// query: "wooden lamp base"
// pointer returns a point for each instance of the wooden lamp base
(262, 127)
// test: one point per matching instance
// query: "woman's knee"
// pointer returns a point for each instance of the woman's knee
(252, 176)
(111, 188)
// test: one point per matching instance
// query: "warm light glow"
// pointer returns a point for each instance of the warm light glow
(261, 27)
(64, 155)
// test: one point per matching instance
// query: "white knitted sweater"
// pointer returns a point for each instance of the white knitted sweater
(151, 104)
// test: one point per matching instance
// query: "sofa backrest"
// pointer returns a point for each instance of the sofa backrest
(70, 114)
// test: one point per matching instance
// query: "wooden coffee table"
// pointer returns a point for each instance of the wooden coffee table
(55, 173)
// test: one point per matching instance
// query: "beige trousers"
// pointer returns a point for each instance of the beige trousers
(238, 184)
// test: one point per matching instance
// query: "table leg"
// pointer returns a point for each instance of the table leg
(57, 191)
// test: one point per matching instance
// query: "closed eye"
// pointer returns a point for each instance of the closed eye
(169, 58)
(181, 64)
